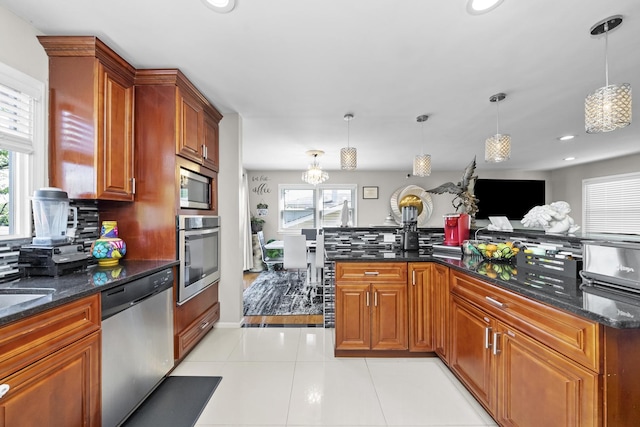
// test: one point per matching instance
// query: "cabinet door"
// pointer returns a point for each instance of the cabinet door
(389, 316)
(471, 339)
(420, 306)
(210, 158)
(190, 127)
(115, 137)
(353, 318)
(62, 389)
(539, 387)
(440, 285)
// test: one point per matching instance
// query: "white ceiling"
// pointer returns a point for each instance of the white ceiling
(293, 68)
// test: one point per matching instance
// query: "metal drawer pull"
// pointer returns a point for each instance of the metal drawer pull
(371, 273)
(4, 388)
(487, 334)
(496, 302)
(204, 325)
(496, 337)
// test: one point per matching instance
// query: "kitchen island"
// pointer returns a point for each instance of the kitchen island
(507, 337)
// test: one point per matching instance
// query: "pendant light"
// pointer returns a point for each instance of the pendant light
(422, 162)
(314, 175)
(348, 155)
(607, 108)
(497, 148)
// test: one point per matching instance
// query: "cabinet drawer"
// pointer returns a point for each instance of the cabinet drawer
(570, 335)
(190, 336)
(26, 341)
(388, 272)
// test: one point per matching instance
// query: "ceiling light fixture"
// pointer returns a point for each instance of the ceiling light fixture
(348, 155)
(497, 148)
(314, 175)
(478, 7)
(422, 162)
(566, 137)
(609, 107)
(569, 158)
(221, 6)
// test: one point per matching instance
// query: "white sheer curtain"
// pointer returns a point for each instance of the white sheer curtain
(245, 223)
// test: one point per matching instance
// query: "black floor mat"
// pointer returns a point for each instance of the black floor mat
(177, 402)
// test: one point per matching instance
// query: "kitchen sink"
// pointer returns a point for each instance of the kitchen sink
(23, 298)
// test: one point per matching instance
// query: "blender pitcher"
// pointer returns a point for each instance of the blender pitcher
(50, 213)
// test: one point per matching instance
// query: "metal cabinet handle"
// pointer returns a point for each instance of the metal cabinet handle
(4, 388)
(133, 186)
(496, 302)
(371, 273)
(487, 335)
(375, 298)
(496, 337)
(413, 277)
(367, 298)
(204, 325)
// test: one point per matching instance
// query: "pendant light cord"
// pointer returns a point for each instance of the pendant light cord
(497, 117)
(606, 53)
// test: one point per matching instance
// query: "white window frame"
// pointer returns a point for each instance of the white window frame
(613, 206)
(30, 169)
(317, 202)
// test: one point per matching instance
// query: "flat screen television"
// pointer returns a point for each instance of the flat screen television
(512, 198)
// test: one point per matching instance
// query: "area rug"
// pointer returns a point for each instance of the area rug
(280, 293)
(177, 402)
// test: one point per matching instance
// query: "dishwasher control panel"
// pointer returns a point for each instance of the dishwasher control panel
(121, 297)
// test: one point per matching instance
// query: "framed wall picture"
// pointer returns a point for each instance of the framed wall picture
(369, 192)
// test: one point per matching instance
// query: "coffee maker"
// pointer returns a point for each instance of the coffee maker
(410, 228)
(52, 251)
(456, 228)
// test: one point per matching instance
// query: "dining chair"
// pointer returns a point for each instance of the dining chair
(319, 258)
(269, 261)
(295, 252)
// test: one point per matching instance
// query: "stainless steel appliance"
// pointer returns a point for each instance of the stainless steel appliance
(198, 253)
(137, 343)
(410, 228)
(612, 264)
(195, 190)
(51, 252)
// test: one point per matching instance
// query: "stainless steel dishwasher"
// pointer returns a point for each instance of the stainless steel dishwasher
(137, 343)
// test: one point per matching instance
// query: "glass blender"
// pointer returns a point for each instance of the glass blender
(50, 213)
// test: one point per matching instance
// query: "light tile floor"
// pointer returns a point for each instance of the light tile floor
(289, 377)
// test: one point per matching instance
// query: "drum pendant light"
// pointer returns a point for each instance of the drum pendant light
(422, 162)
(607, 108)
(497, 148)
(348, 155)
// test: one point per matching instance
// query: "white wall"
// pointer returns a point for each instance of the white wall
(263, 187)
(229, 185)
(20, 48)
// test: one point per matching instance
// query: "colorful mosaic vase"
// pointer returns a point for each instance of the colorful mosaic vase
(109, 248)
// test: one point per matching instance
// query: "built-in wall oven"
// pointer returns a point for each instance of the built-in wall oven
(199, 254)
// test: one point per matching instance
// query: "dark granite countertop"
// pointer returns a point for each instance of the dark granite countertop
(66, 288)
(603, 305)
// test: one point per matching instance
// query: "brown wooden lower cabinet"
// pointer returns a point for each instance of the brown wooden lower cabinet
(441, 306)
(421, 305)
(194, 319)
(51, 364)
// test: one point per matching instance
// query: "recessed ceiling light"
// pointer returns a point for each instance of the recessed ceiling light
(221, 6)
(566, 137)
(478, 7)
(569, 158)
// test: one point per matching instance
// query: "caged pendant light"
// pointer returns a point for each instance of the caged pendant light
(422, 162)
(348, 155)
(607, 108)
(314, 175)
(497, 148)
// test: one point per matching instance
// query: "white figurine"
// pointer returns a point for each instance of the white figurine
(553, 218)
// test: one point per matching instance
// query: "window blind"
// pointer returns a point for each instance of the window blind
(16, 120)
(612, 204)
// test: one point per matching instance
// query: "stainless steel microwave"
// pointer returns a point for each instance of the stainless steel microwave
(195, 190)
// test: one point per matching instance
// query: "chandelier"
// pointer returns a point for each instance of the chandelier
(607, 108)
(422, 162)
(314, 175)
(497, 148)
(348, 155)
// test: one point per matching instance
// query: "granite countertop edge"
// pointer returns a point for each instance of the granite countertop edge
(573, 305)
(70, 287)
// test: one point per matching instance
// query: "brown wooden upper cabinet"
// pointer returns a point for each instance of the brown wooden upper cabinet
(91, 95)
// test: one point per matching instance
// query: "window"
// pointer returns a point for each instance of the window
(611, 204)
(22, 149)
(304, 206)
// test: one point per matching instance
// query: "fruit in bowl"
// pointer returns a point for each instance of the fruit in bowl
(503, 251)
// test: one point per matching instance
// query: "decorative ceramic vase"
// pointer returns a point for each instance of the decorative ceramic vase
(109, 248)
